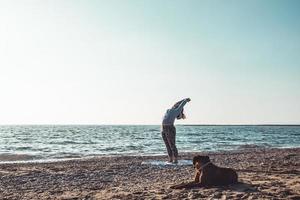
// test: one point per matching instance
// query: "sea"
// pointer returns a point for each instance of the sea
(56, 142)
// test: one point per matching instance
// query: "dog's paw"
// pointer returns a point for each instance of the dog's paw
(178, 186)
(175, 187)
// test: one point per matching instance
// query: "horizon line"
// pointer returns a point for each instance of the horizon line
(92, 124)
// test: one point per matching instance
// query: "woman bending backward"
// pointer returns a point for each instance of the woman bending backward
(169, 130)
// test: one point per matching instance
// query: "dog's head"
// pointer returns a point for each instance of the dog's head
(199, 161)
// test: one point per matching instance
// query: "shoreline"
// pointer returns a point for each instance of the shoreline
(9, 158)
(263, 174)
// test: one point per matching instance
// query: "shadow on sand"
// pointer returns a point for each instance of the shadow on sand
(238, 187)
(241, 187)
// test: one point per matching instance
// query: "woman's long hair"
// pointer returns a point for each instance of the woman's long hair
(181, 115)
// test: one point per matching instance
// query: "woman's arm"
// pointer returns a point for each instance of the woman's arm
(183, 102)
(177, 103)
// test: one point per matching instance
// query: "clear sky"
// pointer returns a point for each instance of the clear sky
(127, 61)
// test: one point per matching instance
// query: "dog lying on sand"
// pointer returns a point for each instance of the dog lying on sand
(208, 174)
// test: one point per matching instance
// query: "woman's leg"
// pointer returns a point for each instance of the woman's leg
(171, 137)
(164, 136)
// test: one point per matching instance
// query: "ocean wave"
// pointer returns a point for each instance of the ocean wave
(253, 146)
(50, 142)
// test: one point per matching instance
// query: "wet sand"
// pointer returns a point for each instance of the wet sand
(263, 174)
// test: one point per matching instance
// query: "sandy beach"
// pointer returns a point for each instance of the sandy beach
(263, 174)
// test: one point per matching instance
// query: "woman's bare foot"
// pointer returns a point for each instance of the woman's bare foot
(170, 160)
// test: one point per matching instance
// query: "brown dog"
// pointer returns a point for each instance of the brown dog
(208, 174)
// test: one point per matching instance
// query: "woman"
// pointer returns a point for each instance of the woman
(169, 130)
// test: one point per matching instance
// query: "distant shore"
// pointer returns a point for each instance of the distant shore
(238, 125)
(264, 174)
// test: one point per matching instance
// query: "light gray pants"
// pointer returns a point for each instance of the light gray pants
(169, 134)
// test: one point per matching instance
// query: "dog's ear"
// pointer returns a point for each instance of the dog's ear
(207, 159)
(195, 159)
